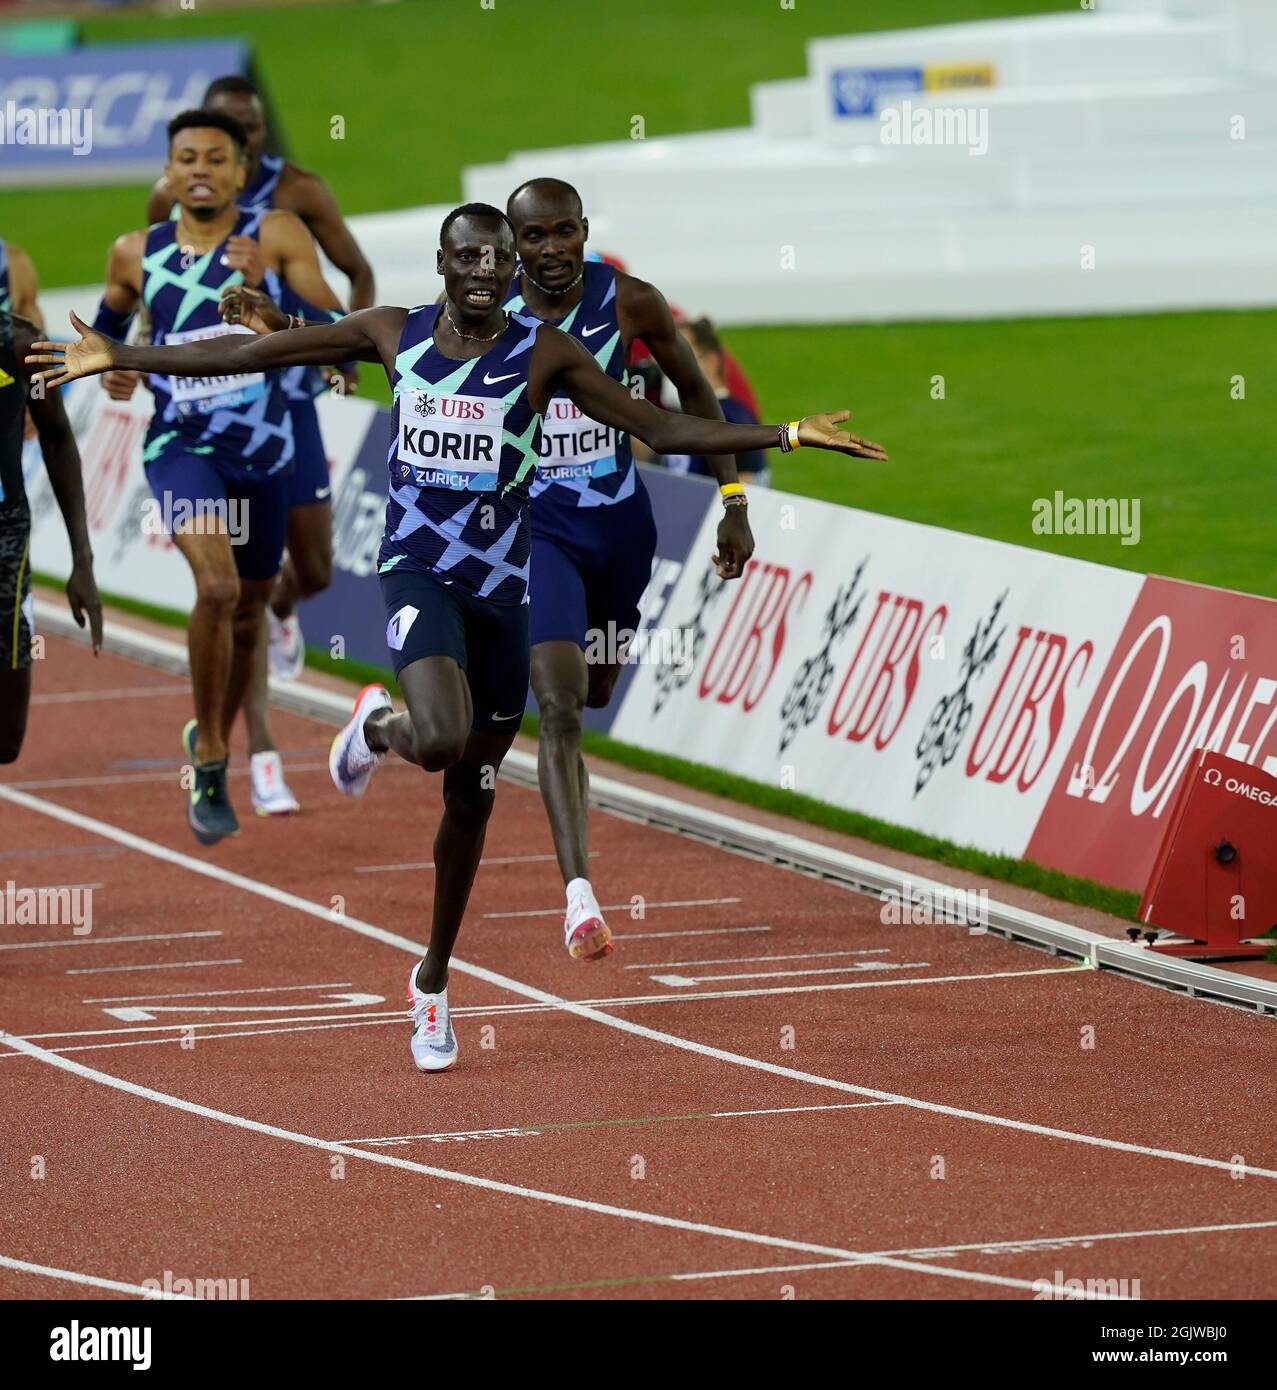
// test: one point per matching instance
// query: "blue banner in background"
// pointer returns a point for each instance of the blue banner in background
(856, 91)
(679, 504)
(98, 114)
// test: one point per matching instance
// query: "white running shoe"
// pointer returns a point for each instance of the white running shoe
(350, 760)
(434, 1045)
(285, 649)
(271, 794)
(585, 933)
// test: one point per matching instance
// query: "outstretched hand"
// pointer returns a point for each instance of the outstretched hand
(822, 432)
(90, 356)
(252, 309)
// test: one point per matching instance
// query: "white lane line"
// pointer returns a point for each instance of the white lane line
(694, 931)
(429, 863)
(73, 1277)
(212, 993)
(343, 999)
(1012, 1247)
(501, 1010)
(990, 1247)
(106, 940)
(162, 965)
(479, 1011)
(685, 981)
(796, 1109)
(750, 960)
(122, 779)
(617, 907)
(67, 697)
(40, 888)
(624, 1025)
(156, 1042)
(675, 1223)
(519, 1131)
(58, 852)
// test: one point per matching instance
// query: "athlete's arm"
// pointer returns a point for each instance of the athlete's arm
(370, 335)
(24, 286)
(62, 460)
(560, 363)
(647, 317)
(123, 292)
(159, 206)
(287, 244)
(312, 200)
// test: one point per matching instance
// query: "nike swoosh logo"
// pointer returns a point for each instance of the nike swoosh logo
(323, 492)
(492, 380)
(509, 716)
(590, 332)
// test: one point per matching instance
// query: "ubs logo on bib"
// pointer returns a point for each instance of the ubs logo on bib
(460, 447)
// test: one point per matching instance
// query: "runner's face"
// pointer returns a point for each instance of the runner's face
(551, 241)
(247, 110)
(476, 261)
(205, 171)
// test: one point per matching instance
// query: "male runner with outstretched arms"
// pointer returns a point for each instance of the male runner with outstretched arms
(593, 535)
(18, 337)
(471, 383)
(307, 569)
(218, 451)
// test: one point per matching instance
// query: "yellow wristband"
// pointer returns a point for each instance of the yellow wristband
(731, 489)
(792, 428)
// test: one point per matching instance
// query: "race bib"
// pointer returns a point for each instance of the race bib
(204, 394)
(573, 445)
(450, 441)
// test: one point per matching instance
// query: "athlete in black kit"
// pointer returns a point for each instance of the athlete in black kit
(62, 459)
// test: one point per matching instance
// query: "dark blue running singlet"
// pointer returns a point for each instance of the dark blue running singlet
(463, 453)
(243, 419)
(582, 463)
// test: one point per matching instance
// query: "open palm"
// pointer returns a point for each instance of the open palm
(822, 432)
(91, 355)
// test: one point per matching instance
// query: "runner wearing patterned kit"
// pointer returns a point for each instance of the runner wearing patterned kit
(593, 536)
(472, 383)
(219, 450)
(274, 182)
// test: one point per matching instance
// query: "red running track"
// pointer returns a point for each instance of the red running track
(766, 1092)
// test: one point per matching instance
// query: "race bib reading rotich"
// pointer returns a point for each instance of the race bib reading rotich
(573, 445)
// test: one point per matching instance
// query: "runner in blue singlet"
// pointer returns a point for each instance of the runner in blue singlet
(275, 182)
(472, 384)
(219, 451)
(593, 537)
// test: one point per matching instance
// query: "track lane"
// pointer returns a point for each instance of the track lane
(540, 1054)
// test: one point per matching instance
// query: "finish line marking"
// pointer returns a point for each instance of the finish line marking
(492, 977)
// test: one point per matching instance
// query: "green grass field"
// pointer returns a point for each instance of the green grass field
(1134, 407)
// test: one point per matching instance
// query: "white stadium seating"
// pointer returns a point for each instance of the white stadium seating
(1114, 178)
